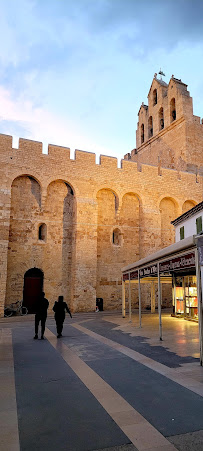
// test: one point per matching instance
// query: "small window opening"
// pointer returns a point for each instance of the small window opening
(155, 97)
(42, 232)
(150, 127)
(182, 233)
(199, 224)
(173, 110)
(161, 119)
(116, 237)
(142, 133)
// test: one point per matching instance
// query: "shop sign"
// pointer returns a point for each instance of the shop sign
(148, 271)
(175, 264)
(125, 277)
(134, 275)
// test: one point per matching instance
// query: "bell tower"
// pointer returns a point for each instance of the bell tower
(167, 131)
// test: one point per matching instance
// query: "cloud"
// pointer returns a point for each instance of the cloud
(52, 34)
(75, 73)
(144, 24)
(18, 115)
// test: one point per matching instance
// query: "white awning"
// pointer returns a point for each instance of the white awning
(186, 244)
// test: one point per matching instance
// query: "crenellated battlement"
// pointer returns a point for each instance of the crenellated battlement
(85, 157)
(29, 157)
(108, 162)
(26, 145)
(58, 152)
(6, 141)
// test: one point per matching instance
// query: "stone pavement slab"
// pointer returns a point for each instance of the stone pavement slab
(157, 398)
(55, 410)
(120, 448)
(188, 442)
(53, 398)
(9, 437)
(139, 343)
(142, 434)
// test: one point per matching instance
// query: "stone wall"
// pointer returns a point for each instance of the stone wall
(96, 219)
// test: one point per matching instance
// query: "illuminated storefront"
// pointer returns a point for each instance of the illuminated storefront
(179, 265)
(184, 283)
(186, 303)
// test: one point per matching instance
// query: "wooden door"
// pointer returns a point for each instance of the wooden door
(33, 286)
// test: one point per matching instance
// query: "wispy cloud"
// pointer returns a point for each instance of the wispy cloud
(75, 73)
(41, 125)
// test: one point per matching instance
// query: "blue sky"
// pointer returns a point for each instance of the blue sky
(74, 73)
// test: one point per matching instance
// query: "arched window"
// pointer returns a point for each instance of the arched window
(173, 110)
(155, 97)
(42, 232)
(150, 127)
(142, 133)
(161, 118)
(116, 237)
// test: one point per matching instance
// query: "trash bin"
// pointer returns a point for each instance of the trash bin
(99, 304)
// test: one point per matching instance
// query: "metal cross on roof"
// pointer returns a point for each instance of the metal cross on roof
(161, 73)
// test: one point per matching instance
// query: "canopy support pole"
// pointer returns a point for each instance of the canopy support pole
(152, 297)
(129, 300)
(123, 298)
(159, 303)
(140, 305)
(199, 297)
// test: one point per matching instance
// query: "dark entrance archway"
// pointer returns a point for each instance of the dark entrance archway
(33, 287)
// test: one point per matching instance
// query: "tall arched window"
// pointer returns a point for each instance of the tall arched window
(155, 97)
(161, 118)
(42, 232)
(142, 133)
(173, 109)
(150, 127)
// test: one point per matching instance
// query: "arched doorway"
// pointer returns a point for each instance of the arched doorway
(33, 287)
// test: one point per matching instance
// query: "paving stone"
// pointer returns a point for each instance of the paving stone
(188, 442)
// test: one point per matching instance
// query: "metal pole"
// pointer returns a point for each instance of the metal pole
(140, 305)
(129, 300)
(174, 293)
(123, 298)
(152, 297)
(159, 303)
(199, 297)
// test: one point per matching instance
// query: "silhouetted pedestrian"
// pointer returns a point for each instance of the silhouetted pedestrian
(60, 307)
(41, 315)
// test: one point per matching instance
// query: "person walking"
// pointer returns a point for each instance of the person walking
(41, 315)
(60, 307)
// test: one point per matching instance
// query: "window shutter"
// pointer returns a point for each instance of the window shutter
(182, 233)
(199, 224)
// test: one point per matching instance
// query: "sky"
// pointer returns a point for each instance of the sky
(75, 72)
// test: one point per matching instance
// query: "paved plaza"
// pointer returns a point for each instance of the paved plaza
(105, 385)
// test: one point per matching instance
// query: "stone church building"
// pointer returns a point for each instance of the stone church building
(69, 226)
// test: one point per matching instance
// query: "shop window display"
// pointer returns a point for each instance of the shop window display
(186, 303)
(191, 303)
(179, 292)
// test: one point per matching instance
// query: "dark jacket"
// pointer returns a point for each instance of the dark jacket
(60, 308)
(41, 307)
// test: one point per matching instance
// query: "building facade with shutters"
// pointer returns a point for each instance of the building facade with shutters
(190, 223)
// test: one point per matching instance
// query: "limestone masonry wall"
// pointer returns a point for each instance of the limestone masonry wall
(79, 222)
